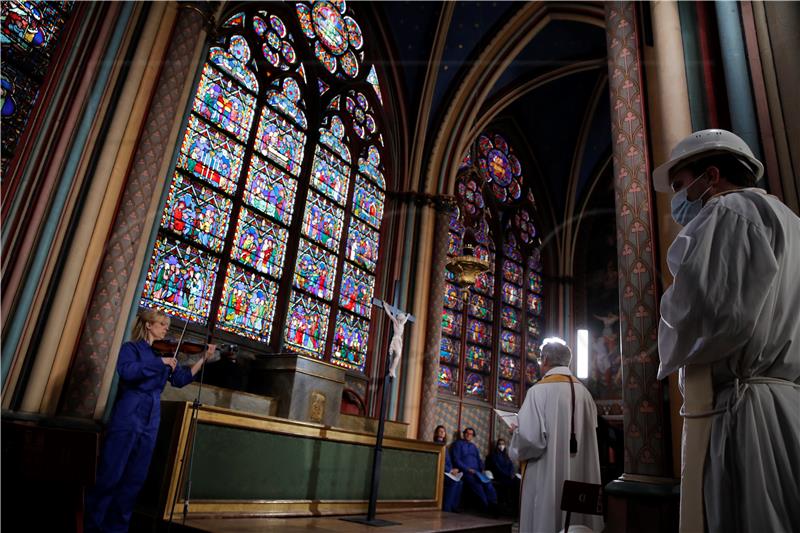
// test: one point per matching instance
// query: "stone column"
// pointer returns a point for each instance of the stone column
(114, 293)
(433, 325)
(645, 440)
(670, 115)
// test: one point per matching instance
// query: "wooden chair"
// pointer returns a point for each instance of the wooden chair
(578, 497)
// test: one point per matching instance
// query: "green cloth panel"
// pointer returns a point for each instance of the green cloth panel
(241, 464)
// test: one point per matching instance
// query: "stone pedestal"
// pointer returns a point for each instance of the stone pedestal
(221, 397)
(364, 424)
(306, 389)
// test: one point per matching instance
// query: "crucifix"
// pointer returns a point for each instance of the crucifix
(399, 319)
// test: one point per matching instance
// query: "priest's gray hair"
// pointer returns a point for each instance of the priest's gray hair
(555, 352)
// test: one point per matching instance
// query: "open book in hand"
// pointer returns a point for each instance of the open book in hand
(484, 477)
(454, 477)
(510, 419)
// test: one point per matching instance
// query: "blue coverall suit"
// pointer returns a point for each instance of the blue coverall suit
(130, 436)
(465, 455)
(452, 489)
(506, 483)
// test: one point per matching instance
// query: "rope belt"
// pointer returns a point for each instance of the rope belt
(740, 386)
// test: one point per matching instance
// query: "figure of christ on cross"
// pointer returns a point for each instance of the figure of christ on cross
(399, 319)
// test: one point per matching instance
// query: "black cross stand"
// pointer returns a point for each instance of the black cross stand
(370, 519)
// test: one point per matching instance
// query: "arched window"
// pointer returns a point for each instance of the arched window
(490, 333)
(29, 33)
(272, 222)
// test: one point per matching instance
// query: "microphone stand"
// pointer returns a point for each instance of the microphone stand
(192, 429)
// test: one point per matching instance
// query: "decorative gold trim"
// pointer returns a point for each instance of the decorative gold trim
(201, 508)
(228, 417)
(306, 372)
(650, 480)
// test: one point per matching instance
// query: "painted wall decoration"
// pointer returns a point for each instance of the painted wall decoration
(643, 396)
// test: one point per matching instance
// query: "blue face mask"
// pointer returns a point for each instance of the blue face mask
(683, 209)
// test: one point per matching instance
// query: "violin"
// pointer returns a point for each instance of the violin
(170, 346)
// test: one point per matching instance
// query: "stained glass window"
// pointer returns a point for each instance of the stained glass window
(451, 323)
(500, 167)
(196, 212)
(307, 324)
(263, 172)
(479, 332)
(448, 379)
(180, 280)
(495, 215)
(247, 304)
(478, 358)
(509, 367)
(221, 100)
(336, 37)
(452, 297)
(323, 221)
(270, 190)
(367, 203)
(280, 141)
(507, 391)
(314, 270)
(211, 156)
(350, 342)
(449, 350)
(362, 245)
(512, 294)
(259, 244)
(474, 385)
(30, 32)
(480, 307)
(356, 293)
(510, 318)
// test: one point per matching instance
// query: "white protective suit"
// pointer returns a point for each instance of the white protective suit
(542, 439)
(733, 305)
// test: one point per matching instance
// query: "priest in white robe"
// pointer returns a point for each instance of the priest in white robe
(730, 323)
(542, 444)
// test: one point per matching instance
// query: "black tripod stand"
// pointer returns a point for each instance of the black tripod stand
(376, 462)
(193, 439)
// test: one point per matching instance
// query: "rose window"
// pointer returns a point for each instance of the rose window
(500, 168)
(277, 48)
(525, 226)
(336, 37)
(363, 121)
(473, 198)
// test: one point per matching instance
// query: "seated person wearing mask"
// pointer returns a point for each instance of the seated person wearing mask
(505, 481)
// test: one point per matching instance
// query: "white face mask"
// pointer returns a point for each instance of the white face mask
(683, 209)
(501, 447)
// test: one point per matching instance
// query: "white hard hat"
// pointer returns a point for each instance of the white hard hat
(705, 142)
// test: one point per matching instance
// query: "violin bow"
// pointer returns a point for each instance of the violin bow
(180, 340)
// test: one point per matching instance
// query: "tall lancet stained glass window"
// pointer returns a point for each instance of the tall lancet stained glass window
(271, 226)
(30, 33)
(490, 332)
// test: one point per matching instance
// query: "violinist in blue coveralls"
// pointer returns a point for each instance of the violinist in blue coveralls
(467, 458)
(131, 433)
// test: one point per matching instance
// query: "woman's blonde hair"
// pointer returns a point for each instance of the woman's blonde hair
(147, 316)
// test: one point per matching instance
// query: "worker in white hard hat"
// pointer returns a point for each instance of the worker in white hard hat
(730, 324)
